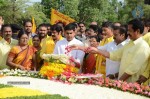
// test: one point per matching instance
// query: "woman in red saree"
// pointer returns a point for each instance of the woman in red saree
(21, 56)
(89, 61)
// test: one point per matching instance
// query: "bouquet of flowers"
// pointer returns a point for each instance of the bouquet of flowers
(55, 65)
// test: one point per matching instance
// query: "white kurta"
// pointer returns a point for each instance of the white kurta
(60, 46)
(112, 67)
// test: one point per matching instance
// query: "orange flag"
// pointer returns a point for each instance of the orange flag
(33, 26)
(59, 17)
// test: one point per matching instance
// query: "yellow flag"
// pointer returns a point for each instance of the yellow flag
(33, 26)
(59, 17)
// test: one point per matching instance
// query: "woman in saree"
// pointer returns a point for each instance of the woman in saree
(38, 60)
(89, 61)
(22, 56)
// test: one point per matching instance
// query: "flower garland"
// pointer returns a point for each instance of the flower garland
(50, 70)
(92, 79)
(18, 72)
(105, 82)
(55, 65)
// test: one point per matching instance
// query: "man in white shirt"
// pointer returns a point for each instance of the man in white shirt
(120, 39)
(133, 56)
(5, 45)
(62, 45)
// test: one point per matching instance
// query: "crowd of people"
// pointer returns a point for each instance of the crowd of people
(117, 51)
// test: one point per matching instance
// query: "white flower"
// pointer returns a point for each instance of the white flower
(10, 73)
(5, 70)
(15, 72)
(12, 70)
(23, 74)
(55, 56)
(65, 61)
(45, 56)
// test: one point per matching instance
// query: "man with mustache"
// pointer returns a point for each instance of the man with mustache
(80, 35)
(42, 32)
(49, 43)
(5, 45)
(120, 39)
(145, 77)
(28, 28)
(107, 32)
(48, 29)
(56, 33)
(27, 24)
(133, 56)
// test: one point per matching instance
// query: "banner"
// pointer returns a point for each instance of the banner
(59, 17)
(33, 25)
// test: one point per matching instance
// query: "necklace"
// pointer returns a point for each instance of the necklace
(22, 48)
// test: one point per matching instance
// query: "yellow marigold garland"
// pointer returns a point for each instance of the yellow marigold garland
(53, 69)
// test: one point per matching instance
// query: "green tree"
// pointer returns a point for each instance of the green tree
(15, 11)
(48, 4)
(125, 13)
(84, 10)
(146, 10)
(68, 7)
(12, 10)
(35, 11)
(98, 10)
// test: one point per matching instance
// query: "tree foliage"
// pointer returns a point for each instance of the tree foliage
(12, 10)
(48, 4)
(68, 7)
(36, 11)
(84, 10)
(125, 13)
(15, 11)
(97, 10)
(73, 6)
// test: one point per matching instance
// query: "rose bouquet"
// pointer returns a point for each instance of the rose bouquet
(55, 65)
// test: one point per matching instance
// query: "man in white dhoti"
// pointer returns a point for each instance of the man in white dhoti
(61, 46)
